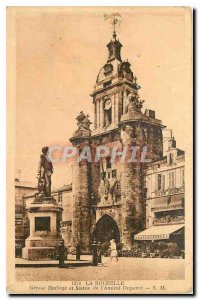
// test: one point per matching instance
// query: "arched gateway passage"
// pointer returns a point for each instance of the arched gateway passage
(107, 229)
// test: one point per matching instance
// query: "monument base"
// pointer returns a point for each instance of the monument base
(38, 253)
(45, 237)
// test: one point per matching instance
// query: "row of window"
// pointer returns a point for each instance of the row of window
(160, 180)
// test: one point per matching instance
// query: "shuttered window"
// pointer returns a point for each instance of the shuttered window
(172, 179)
(160, 182)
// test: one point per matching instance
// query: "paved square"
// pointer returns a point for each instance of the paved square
(124, 269)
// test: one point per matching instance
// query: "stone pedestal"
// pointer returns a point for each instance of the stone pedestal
(45, 234)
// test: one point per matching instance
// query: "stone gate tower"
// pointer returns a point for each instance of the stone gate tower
(109, 195)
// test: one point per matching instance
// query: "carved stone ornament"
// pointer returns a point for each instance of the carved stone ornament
(109, 191)
(126, 135)
(133, 103)
(83, 121)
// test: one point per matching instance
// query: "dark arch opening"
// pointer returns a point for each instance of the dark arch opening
(106, 229)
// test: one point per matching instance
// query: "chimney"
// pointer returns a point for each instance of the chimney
(172, 143)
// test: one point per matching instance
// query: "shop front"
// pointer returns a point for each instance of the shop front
(161, 241)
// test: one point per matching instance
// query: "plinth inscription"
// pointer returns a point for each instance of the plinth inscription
(42, 223)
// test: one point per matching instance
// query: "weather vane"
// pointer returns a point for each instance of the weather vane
(114, 18)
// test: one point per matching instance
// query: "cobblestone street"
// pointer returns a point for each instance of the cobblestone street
(124, 269)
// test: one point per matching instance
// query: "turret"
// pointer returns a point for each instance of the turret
(80, 188)
(114, 48)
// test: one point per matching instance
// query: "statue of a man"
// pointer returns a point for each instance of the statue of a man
(45, 171)
(104, 187)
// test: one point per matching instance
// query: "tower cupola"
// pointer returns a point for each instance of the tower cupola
(114, 48)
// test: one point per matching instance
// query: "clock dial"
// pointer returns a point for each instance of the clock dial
(107, 104)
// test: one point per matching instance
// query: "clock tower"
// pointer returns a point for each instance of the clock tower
(109, 195)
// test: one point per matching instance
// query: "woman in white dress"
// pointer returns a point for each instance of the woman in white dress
(113, 250)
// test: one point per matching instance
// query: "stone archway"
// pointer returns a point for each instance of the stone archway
(107, 229)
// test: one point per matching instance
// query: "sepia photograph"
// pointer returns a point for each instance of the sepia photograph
(99, 150)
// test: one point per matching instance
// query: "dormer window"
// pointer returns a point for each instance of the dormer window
(111, 52)
(108, 68)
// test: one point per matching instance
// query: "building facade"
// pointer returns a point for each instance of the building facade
(63, 196)
(22, 188)
(165, 198)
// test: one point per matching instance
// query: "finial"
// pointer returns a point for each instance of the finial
(114, 23)
(115, 18)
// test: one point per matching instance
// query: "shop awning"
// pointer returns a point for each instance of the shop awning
(158, 232)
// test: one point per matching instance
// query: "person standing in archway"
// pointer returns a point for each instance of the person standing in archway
(78, 251)
(61, 254)
(94, 252)
(99, 253)
(113, 250)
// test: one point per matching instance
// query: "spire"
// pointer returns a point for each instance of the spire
(114, 35)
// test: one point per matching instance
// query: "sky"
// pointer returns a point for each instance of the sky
(59, 52)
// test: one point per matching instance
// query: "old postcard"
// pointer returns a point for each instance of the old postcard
(99, 150)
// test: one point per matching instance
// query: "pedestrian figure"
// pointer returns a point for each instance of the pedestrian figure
(99, 253)
(113, 250)
(94, 252)
(61, 254)
(65, 253)
(78, 251)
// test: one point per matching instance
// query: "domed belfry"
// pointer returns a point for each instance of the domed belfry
(114, 83)
(109, 193)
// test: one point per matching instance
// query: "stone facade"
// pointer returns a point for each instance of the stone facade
(113, 190)
(164, 184)
(22, 188)
(165, 199)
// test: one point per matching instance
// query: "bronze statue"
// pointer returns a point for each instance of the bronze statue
(45, 171)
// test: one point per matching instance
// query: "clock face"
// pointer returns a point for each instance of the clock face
(107, 104)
